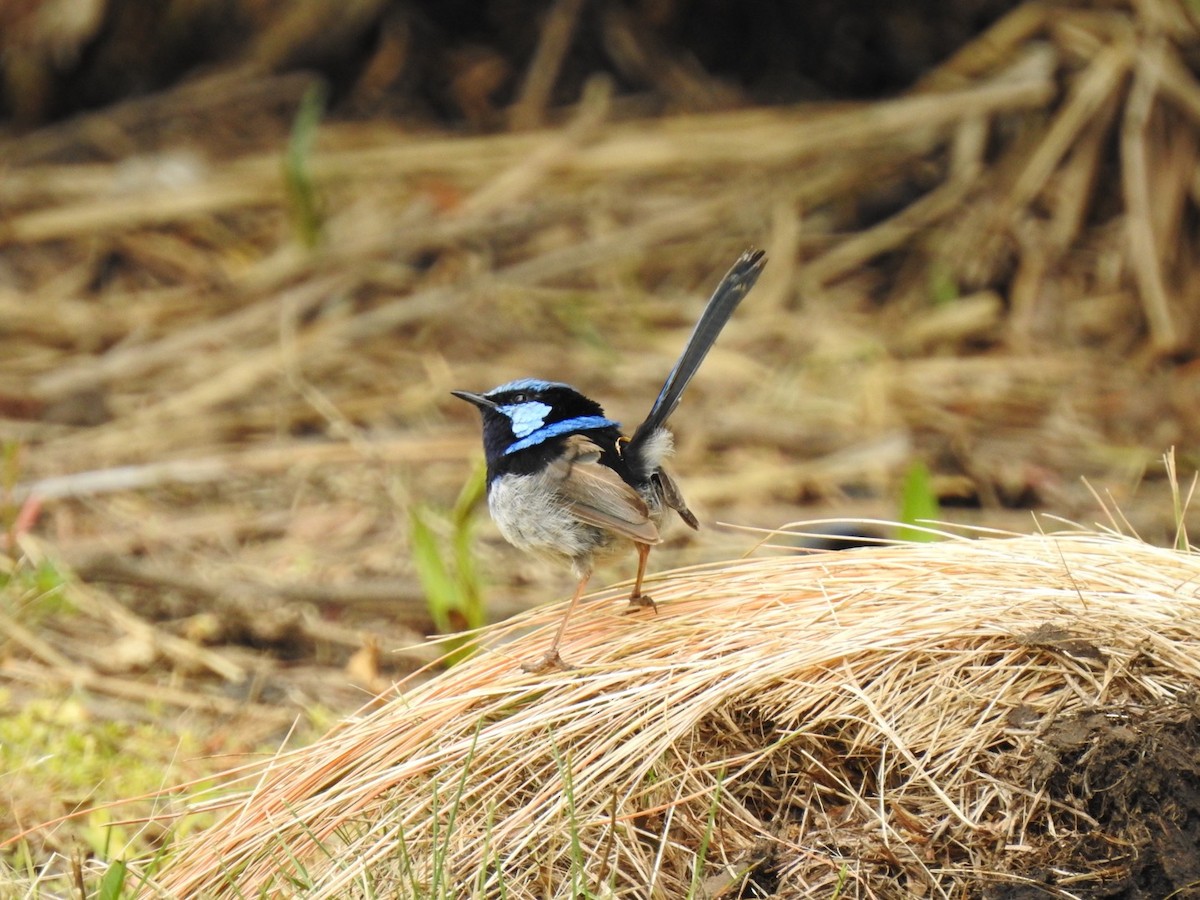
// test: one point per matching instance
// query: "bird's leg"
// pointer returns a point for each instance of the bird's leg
(552, 660)
(638, 600)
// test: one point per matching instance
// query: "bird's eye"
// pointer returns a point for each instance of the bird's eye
(520, 397)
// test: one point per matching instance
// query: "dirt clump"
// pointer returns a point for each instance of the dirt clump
(1133, 778)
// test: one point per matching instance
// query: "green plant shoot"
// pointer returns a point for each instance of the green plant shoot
(918, 504)
(450, 580)
(303, 201)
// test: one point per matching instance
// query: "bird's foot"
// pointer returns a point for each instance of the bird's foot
(551, 660)
(641, 601)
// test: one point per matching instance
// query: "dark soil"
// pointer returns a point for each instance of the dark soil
(463, 62)
(1133, 778)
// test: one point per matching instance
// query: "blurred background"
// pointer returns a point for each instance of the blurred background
(248, 247)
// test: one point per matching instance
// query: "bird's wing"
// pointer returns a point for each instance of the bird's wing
(597, 495)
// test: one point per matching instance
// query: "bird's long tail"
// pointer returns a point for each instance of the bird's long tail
(729, 293)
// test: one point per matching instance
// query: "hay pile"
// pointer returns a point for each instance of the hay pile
(934, 720)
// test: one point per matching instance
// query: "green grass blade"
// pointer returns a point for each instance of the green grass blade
(440, 587)
(113, 883)
(297, 173)
(451, 583)
(706, 838)
(918, 504)
(463, 519)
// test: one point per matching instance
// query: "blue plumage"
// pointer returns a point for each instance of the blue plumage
(574, 425)
(525, 418)
(527, 385)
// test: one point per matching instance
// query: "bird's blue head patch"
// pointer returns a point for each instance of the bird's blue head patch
(527, 412)
(539, 410)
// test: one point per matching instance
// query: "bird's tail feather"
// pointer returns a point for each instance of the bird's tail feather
(725, 299)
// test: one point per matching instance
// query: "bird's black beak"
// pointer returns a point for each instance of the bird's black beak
(477, 399)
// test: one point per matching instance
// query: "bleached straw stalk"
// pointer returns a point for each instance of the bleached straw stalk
(869, 723)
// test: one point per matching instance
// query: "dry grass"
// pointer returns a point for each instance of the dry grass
(880, 717)
(954, 274)
(220, 429)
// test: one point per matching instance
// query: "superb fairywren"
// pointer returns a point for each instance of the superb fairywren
(564, 482)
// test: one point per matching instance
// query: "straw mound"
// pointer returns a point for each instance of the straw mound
(913, 721)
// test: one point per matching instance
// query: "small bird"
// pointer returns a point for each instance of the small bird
(564, 482)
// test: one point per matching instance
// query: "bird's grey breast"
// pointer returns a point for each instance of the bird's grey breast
(533, 516)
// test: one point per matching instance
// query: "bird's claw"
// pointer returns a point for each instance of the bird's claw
(551, 660)
(641, 601)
